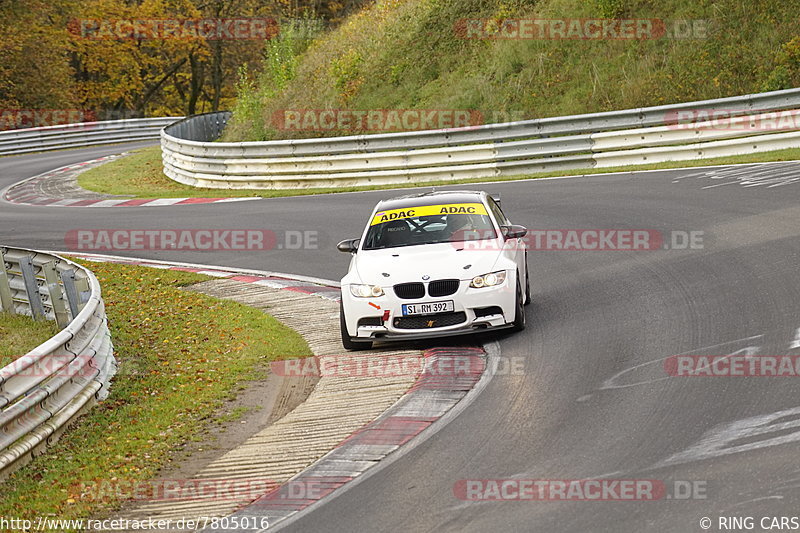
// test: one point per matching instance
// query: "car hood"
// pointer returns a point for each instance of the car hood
(411, 263)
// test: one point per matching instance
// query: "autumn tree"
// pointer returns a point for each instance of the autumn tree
(54, 56)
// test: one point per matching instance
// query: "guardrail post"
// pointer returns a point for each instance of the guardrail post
(31, 288)
(68, 279)
(35, 408)
(56, 295)
(84, 291)
(6, 303)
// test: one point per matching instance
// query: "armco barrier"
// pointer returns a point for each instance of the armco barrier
(25, 141)
(42, 391)
(633, 136)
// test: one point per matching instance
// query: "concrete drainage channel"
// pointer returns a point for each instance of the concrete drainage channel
(348, 425)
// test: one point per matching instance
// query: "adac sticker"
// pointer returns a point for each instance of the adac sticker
(428, 210)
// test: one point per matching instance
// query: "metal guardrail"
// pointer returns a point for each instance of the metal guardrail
(42, 391)
(632, 136)
(24, 141)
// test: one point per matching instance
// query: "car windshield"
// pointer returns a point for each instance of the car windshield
(429, 224)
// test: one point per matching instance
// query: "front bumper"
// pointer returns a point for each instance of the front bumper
(483, 309)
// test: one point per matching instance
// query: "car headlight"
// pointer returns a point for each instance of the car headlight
(488, 280)
(366, 291)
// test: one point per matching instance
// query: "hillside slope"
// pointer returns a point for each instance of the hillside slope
(413, 54)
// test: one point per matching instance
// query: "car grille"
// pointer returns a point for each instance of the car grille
(443, 287)
(430, 321)
(438, 288)
(409, 291)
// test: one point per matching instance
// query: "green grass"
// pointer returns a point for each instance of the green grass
(141, 175)
(20, 334)
(123, 176)
(181, 356)
(406, 54)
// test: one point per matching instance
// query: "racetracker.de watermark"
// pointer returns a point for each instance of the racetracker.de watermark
(374, 120)
(205, 490)
(211, 29)
(602, 489)
(581, 29)
(731, 366)
(221, 489)
(14, 119)
(203, 240)
(55, 365)
(584, 240)
(733, 120)
(392, 365)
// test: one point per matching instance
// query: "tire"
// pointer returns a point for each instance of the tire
(527, 282)
(347, 342)
(519, 316)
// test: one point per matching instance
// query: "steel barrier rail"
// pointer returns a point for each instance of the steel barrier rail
(702, 150)
(618, 140)
(42, 391)
(386, 159)
(191, 130)
(396, 159)
(23, 141)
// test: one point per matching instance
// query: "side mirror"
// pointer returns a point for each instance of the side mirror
(349, 246)
(513, 231)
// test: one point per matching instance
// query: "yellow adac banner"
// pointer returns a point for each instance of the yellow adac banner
(428, 210)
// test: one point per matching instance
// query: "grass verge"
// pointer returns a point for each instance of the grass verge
(21, 334)
(140, 175)
(419, 54)
(181, 356)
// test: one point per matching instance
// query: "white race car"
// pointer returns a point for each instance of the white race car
(434, 264)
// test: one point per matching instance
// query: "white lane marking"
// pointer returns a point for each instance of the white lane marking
(756, 171)
(796, 342)
(163, 201)
(748, 176)
(786, 182)
(214, 273)
(754, 500)
(610, 384)
(746, 171)
(720, 185)
(721, 440)
(108, 203)
(270, 284)
(242, 199)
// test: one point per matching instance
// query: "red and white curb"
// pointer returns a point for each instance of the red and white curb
(429, 404)
(30, 192)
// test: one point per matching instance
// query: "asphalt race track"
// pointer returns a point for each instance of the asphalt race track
(593, 398)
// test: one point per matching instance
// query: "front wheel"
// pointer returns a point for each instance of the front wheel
(519, 315)
(527, 282)
(347, 342)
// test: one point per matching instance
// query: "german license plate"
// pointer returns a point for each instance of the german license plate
(430, 308)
